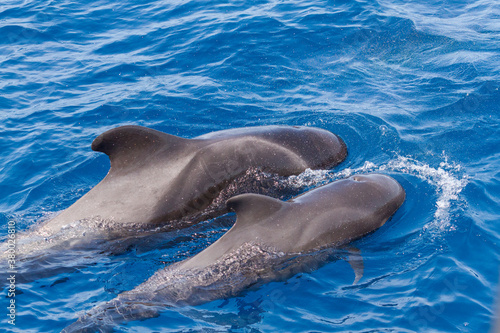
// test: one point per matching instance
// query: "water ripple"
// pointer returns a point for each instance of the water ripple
(412, 87)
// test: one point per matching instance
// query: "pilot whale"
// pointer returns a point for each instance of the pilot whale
(161, 181)
(155, 177)
(265, 244)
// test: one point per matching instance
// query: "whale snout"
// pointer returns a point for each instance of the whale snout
(386, 184)
(375, 178)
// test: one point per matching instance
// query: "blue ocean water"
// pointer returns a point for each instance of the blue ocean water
(411, 86)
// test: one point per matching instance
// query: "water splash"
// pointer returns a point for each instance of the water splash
(447, 178)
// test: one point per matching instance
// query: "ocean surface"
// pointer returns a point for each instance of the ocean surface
(411, 86)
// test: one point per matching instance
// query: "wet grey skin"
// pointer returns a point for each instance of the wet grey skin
(156, 177)
(271, 241)
(331, 215)
(159, 182)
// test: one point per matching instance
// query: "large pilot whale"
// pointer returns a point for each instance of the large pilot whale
(161, 181)
(156, 177)
(264, 245)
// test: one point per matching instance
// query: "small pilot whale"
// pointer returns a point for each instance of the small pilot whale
(159, 182)
(271, 240)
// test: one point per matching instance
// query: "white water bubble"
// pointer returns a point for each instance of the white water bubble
(445, 178)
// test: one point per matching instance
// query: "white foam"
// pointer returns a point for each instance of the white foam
(308, 178)
(447, 179)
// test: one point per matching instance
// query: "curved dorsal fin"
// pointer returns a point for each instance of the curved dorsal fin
(126, 144)
(250, 208)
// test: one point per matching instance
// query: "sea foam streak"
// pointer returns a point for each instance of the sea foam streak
(447, 179)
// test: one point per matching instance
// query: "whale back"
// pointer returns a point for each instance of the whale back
(331, 215)
(304, 147)
(158, 179)
(253, 212)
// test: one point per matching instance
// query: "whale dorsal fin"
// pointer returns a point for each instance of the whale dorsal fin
(130, 144)
(251, 208)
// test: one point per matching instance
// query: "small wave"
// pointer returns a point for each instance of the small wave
(447, 178)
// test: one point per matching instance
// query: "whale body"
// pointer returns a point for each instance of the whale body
(156, 178)
(267, 243)
(159, 182)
